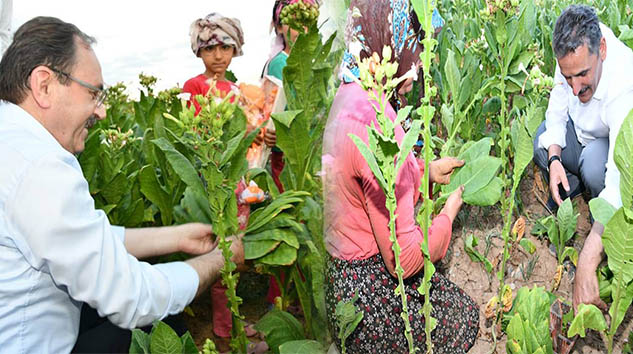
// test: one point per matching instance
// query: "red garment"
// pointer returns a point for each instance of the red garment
(199, 85)
(356, 219)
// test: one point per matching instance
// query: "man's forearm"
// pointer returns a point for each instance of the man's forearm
(554, 149)
(208, 267)
(592, 251)
(151, 241)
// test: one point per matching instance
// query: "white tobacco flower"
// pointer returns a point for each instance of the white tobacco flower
(184, 96)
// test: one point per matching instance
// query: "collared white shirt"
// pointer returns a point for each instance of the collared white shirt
(57, 251)
(602, 116)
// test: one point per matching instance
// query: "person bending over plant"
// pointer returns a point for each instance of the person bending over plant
(357, 232)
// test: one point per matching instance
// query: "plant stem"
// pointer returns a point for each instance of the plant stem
(427, 113)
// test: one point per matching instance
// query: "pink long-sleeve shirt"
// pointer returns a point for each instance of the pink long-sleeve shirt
(356, 219)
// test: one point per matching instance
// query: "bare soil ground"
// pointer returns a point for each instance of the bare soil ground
(486, 224)
(472, 277)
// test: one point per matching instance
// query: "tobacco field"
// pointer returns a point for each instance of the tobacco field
(483, 93)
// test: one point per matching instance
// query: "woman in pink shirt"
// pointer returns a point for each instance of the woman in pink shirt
(356, 219)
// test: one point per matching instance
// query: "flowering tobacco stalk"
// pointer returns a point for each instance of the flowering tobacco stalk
(215, 136)
(376, 78)
(424, 10)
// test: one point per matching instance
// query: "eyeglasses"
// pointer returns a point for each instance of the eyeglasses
(98, 94)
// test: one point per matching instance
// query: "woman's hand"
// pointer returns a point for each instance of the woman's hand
(440, 170)
(270, 137)
(195, 238)
(453, 204)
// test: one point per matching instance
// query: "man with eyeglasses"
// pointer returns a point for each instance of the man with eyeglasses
(56, 251)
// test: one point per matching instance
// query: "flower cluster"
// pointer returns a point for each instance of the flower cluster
(116, 139)
(492, 6)
(300, 14)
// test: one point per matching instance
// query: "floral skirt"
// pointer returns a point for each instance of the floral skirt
(382, 328)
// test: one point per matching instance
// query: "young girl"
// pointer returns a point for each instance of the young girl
(216, 40)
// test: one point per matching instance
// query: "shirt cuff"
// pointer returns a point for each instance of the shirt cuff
(547, 138)
(119, 232)
(183, 280)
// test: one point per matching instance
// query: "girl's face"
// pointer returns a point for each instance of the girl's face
(289, 37)
(217, 59)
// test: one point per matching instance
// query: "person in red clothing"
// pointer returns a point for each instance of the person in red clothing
(356, 221)
(216, 40)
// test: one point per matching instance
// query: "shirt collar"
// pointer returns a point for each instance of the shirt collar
(603, 84)
(13, 114)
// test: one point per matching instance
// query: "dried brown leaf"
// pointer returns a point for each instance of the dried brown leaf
(518, 230)
(491, 307)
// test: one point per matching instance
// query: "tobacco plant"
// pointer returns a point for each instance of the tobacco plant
(382, 149)
(528, 329)
(162, 339)
(309, 87)
(560, 229)
(211, 163)
(617, 240)
(424, 12)
(348, 316)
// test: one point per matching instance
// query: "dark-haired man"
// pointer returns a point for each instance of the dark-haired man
(56, 251)
(574, 146)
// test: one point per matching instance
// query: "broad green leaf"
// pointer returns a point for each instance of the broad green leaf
(567, 221)
(279, 327)
(257, 249)
(620, 305)
(188, 344)
(533, 307)
(286, 117)
(617, 239)
(486, 196)
(284, 255)
(601, 210)
(523, 146)
(140, 342)
(622, 155)
(473, 151)
(407, 143)
(402, 114)
(368, 155)
(302, 346)
(113, 190)
(570, 252)
(469, 246)
(524, 59)
(181, 166)
(527, 245)
(453, 76)
(447, 117)
(587, 317)
(286, 235)
(475, 175)
(164, 340)
(196, 207)
(156, 193)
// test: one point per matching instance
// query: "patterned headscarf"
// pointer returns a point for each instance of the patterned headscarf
(216, 29)
(365, 34)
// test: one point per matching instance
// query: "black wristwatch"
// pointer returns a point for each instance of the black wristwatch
(552, 159)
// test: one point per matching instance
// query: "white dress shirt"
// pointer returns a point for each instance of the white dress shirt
(602, 116)
(57, 251)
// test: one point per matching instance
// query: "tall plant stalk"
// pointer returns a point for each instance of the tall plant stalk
(424, 11)
(376, 77)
